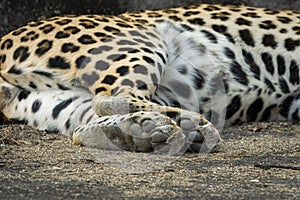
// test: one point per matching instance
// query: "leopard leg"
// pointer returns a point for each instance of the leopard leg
(62, 111)
(133, 91)
(55, 111)
(200, 134)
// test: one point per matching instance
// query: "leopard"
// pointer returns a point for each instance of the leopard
(153, 81)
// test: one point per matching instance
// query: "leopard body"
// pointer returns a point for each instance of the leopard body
(153, 78)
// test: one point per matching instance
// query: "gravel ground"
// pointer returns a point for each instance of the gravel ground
(258, 160)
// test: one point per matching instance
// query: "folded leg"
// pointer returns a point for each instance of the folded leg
(58, 111)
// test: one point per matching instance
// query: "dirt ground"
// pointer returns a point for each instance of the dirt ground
(258, 160)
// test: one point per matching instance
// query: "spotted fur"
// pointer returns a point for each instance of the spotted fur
(181, 66)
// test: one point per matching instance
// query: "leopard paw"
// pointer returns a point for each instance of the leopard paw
(201, 135)
(7, 94)
(140, 132)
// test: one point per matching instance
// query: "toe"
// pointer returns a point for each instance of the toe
(158, 137)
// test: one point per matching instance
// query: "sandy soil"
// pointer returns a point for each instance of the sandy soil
(258, 160)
